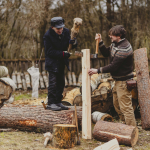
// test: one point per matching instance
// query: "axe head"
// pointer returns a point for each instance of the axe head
(94, 55)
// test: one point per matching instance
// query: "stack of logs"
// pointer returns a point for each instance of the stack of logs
(101, 98)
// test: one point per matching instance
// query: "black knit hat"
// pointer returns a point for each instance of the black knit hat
(57, 22)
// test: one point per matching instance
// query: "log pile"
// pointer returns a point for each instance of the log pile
(101, 98)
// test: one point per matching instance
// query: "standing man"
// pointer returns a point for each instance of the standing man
(120, 67)
(56, 42)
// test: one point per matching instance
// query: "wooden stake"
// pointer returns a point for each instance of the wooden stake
(86, 96)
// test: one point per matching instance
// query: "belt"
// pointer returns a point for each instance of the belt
(124, 78)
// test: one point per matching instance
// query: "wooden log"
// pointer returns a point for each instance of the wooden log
(103, 89)
(36, 118)
(96, 116)
(80, 79)
(66, 82)
(69, 78)
(41, 82)
(143, 83)
(69, 98)
(5, 92)
(27, 77)
(74, 78)
(64, 136)
(19, 82)
(95, 80)
(14, 78)
(125, 134)
(111, 145)
(3, 71)
(23, 82)
(45, 78)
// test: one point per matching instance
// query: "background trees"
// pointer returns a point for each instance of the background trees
(24, 22)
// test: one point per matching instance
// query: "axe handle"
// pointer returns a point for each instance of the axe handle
(97, 45)
(43, 104)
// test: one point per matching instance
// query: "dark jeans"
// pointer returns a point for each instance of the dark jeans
(56, 87)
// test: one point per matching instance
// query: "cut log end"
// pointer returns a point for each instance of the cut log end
(64, 135)
(125, 134)
(134, 136)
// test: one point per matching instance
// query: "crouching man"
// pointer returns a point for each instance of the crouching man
(56, 42)
(120, 67)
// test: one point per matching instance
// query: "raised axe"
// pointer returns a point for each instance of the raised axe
(77, 22)
(77, 53)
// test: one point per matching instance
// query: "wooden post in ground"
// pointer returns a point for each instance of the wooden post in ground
(86, 96)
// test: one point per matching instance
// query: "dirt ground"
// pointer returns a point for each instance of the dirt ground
(18, 140)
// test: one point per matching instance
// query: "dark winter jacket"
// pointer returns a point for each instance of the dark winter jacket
(54, 46)
(121, 59)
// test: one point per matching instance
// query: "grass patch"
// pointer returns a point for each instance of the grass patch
(22, 96)
(28, 95)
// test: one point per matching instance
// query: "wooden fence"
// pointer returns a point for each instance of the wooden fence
(20, 66)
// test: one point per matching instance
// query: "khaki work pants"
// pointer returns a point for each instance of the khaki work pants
(122, 100)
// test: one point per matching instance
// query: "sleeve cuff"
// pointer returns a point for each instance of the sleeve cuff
(99, 70)
(101, 44)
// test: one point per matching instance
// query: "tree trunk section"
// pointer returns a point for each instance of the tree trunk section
(64, 135)
(36, 118)
(106, 131)
(142, 73)
(5, 92)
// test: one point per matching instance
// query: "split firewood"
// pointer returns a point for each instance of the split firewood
(23, 82)
(27, 79)
(77, 22)
(69, 98)
(45, 78)
(80, 79)
(69, 78)
(14, 78)
(41, 82)
(95, 80)
(74, 78)
(19, 82)
(36, 118)
(125, 134)
(48, 137)
(66, 82)
(111, 145)
(103, 89)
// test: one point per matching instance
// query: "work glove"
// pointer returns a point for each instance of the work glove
(66, 54)
(73, 42)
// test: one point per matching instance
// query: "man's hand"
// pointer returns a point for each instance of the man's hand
(66, 54)
(98, 36)
(92, 71)
(73, 42)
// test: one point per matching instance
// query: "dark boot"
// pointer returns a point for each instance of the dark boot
(62, 106)
(53, 107)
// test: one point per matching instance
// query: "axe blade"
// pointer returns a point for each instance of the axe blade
(93, 55)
